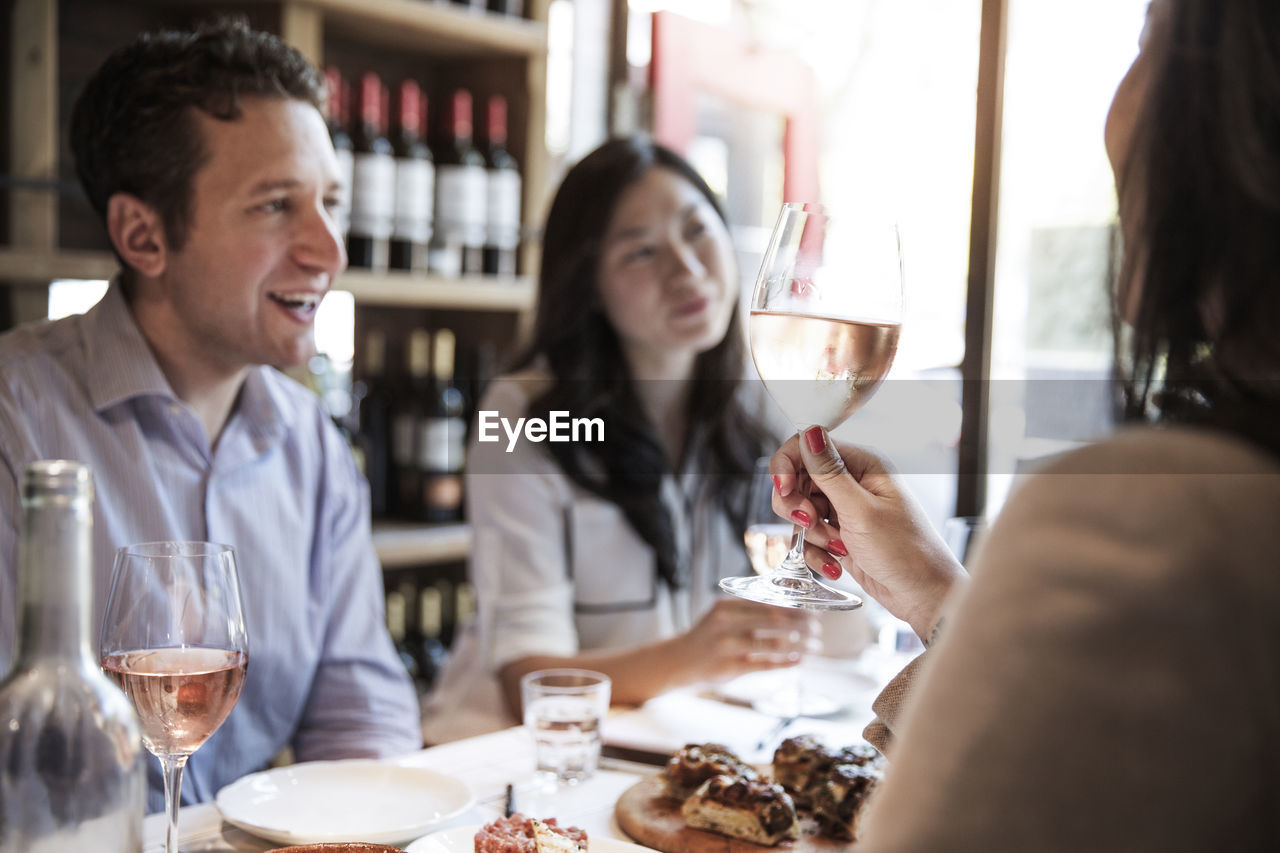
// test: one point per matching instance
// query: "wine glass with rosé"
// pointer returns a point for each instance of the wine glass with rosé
(825, 318)
(174, 639)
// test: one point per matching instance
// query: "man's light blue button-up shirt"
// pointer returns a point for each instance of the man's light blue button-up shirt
(280, 486)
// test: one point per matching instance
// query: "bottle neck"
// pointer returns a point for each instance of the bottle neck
(419, 355)
(442, 357)
(372, 112)
(460, 119)
(55, 588)
(497, 122)
(409, 118)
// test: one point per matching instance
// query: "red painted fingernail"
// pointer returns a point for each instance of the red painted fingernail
(835, 546)
(777, 484)
(801, 518)
(832, 571)
(813, 436)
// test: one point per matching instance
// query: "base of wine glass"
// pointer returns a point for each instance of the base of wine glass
(782, 590)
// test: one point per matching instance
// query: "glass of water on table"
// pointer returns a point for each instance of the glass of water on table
(564, 710)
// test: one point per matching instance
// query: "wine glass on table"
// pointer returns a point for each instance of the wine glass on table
(824, 324)
(174, 639)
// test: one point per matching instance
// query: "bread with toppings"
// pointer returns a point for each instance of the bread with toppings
(802, 765)
(694, 763)
(839, 803)
(749, 809)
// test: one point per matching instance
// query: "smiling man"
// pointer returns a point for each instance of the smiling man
(207, 157)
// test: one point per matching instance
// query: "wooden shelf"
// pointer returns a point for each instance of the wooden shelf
(32, 267)
(427, 291)
(402, 544)
(38, 267)
(428, 27)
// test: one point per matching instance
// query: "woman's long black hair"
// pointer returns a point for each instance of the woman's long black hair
(591, 375)
(1201, 197)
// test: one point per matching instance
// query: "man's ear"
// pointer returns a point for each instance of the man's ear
(137, 232)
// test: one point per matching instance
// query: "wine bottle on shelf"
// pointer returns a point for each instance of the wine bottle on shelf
(482, 360)
(415, 182)
(338, 116)
(397, 617)
(502, 208)
(442, 440)
(374, 184)
(410, 411)
(464, 605)
(375, 422)
(72, 772)
(432, 652)
(457, 243)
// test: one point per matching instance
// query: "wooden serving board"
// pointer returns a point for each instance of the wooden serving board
(653, 819)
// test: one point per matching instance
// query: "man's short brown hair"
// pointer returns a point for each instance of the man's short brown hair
(133, 128)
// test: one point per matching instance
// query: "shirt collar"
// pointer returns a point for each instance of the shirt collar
(264, 404)
(121, 366)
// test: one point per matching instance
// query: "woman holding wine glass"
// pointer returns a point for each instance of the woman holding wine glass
(1107, 679)
(605, 555)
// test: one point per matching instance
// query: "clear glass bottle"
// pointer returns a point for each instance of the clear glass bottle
(71, 761)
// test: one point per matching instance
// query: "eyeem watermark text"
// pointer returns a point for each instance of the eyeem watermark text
(560, 427)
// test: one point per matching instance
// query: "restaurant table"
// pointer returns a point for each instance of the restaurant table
(637, 741)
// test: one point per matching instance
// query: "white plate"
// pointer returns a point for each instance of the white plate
(353, 800)
(825, 689)
(462, 839)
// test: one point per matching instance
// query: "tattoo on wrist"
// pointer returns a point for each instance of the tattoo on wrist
(932, 639)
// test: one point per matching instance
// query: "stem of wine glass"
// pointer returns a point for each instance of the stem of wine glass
(791, 583)
(793, 564)
(172, 766)
(797, 689)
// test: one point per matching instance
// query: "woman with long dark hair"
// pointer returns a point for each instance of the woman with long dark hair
(1108, 678)
(606, 554)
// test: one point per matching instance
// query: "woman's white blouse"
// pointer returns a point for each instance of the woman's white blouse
(558, 571)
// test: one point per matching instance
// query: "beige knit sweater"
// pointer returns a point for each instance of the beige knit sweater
(1110, 678)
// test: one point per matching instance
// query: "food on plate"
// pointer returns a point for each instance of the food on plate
(552, 839)
(802, 765)
(521, 834)
(749, 809)
(838, 803)
(694, 763)
(724, 794)
(796, 761)
(861, 754)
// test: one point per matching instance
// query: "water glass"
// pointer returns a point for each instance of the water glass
(564, 710)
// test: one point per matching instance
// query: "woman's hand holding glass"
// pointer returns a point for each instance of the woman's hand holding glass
(894, 553)
(825, 318)
(736, 637)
